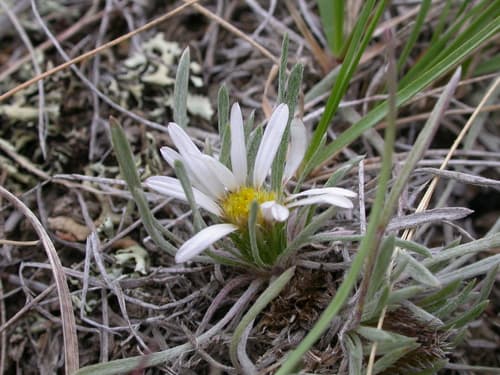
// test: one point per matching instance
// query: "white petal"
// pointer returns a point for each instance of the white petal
(172, 187)
(269, 144)
(238, 148)
(204, 178)
(273, 211)
(182, 140)
(297, 149)
(170, 155)
(186, 149)
(334, 200)
(321, 191)
(203, 239)
(225, 176)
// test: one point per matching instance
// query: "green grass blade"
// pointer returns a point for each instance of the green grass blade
(479, 20)
(489, 66)
(360, 38)
(438, 30)
(332, 19)
(417, 28)
(420, 82)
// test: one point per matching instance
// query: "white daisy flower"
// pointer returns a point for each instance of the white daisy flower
(229, 193)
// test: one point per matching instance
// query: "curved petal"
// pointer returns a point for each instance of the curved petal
(334, 200)
(172, 187)
(181, 140)
(203, 239)
(271, 140)
(225, 176)
(297, 149)
(238, 148)
(170, 155)
(273, 211)
(334, 191)
(204, 178)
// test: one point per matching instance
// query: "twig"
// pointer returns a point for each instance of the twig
(19, 243)
(28, 306)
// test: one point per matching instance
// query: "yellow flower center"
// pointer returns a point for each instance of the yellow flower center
(236, 205)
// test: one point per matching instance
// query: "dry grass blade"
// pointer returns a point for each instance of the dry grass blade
(430, 190)
(462, 177)
(42, 116)
(428, 216)
(95, 51)
(67, 317)
(318, 52)
(233, 30)
(431, 126)
(16, 65)
(18, 243)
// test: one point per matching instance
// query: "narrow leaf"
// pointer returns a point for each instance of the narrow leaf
(291, 98)
(282, 70)
(382, 264)
(252, 233)
(181, 90)
(224, 129)
(417, 27)
(419, 272)
(180, 172)
(354, 348)
(129, 173)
